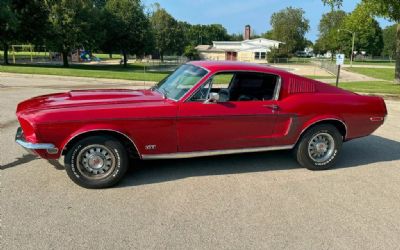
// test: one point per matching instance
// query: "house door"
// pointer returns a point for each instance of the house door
(231, 56)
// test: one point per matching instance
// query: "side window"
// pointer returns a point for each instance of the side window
(253, 86)
(218, 82)
(202, 93)
(222, 81)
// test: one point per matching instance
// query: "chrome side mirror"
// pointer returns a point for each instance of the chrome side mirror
(213, 98)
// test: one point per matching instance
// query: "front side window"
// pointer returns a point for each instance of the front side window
(180, 81)
(219, 82)
(239, 86)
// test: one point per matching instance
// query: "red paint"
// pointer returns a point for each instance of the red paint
(178, 126)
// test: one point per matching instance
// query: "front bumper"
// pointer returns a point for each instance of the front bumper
(31, 147)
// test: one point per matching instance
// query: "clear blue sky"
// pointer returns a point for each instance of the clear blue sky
(235, 14)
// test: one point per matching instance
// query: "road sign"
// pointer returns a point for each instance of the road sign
(340, 59)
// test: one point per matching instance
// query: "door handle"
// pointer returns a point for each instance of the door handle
(274, 107)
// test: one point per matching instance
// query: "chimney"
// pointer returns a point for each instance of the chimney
(247, 32)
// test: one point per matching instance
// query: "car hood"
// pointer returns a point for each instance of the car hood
(87, 98)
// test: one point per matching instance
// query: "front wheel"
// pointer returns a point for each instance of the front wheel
(319, 147)
(96, 162)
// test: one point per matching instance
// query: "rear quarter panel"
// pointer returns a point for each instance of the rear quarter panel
(300, 111)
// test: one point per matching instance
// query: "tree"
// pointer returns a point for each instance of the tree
(191, 52)
(333, 3)
(389, 9)
(328, 31)
(204, 34)
(368, 32)
(8, 26)
(127, 28)
(33, 22)
(290, 26)
(71, 25)
(389, 41)
(167, 32)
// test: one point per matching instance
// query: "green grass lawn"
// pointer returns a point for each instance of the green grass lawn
(372, 87)
(320, 77)
(132, 72)
(371, 62)
(384, 74)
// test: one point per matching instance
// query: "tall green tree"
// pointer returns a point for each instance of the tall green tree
(368, 32)
(72, 25)
(328, 31)
(8, 26)
(168, 34)
(290, 26)
(389, 9)
(204, 34)
(33, 22)
(389, 41)
(127, 28)
(333, 4)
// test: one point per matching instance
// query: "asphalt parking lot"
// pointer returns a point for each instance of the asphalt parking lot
(249, 201)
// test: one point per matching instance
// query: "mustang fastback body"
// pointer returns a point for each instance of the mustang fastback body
(203, 108)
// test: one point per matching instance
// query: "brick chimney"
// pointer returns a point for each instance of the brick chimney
(247, 32)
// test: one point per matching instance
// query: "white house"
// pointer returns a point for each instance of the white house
(254, 50)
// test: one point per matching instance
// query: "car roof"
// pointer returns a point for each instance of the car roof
(236, 66)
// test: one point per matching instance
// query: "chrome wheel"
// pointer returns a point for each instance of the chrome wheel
(321, 147)
(96, 161)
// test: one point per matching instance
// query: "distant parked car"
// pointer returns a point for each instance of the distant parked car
(201, 109)
(304, 54)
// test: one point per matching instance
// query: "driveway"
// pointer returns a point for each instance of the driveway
(249, 201)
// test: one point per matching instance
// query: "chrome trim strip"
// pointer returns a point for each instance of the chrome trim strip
(97, 130)
(214, 152)
(19, 138)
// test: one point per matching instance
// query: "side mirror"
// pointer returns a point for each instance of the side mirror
(213, 98)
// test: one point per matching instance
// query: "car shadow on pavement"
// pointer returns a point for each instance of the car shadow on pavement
(20, 160)
(357, 153)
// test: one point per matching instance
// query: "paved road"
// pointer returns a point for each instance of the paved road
(251, 201)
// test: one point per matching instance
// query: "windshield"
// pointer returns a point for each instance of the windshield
(180, 81)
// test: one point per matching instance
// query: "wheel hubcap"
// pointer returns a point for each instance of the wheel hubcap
(321, 147)
(96, 161)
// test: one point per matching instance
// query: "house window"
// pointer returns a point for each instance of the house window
(260, 55)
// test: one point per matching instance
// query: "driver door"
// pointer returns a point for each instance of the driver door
(204, 126)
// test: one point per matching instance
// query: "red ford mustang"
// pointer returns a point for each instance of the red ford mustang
(201, 109)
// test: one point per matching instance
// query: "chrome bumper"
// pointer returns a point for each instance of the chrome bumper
(20, 139)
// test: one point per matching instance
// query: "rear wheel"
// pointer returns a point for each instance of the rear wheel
(96, 162)
(319, 147)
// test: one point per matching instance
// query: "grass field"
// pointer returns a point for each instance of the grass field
(380, 87)
(384, 74)
(371, 62)
(132, 72)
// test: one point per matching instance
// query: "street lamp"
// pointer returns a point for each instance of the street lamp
(352, 47)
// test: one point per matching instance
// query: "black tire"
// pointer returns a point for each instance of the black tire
(329, 146)
(96, 162)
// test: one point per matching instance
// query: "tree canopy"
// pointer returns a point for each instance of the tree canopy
(127, 28)
(8, 26)
(368, 32)
(167, 33)
(389, 41)
(328, 27)
(290, 26)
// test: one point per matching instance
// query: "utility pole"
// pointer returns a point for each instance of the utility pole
(352, 46)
